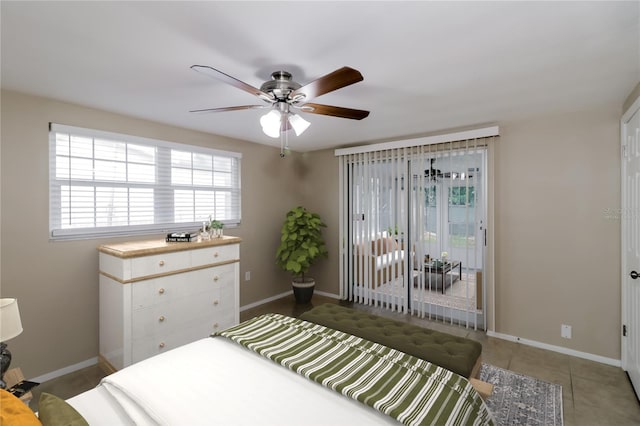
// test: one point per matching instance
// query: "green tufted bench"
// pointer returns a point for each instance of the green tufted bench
(454, 353)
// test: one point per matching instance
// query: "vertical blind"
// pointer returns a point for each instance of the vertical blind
(104, 183)
(401, 208)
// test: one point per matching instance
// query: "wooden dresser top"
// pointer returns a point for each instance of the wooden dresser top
(145, 248)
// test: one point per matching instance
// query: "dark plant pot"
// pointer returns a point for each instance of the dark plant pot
(303, 291)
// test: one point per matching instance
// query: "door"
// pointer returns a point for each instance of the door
(376, 210)
(402, 208)
(447, 215)
(630, 227)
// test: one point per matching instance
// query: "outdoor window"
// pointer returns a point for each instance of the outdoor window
(458, 196)
(107, 184)
(462, 203)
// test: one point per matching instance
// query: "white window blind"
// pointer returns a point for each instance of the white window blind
(413, 225)
(108, 184)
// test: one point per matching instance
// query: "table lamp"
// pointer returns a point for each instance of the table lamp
(10, 327)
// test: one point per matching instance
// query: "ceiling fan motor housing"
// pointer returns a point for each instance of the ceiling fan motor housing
(281, 85)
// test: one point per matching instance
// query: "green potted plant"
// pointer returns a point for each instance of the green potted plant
(215, 228)
(301, 243)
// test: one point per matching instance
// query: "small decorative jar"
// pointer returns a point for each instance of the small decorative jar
(204, 234)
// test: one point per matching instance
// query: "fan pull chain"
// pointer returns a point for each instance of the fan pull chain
(284, 143)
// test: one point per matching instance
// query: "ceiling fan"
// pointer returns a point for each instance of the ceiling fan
(435, 174)
(283, 95)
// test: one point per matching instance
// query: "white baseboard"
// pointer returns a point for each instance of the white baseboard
(325, 294)
(263, 301)
(280, 296)
(66, 370)
(560, 349)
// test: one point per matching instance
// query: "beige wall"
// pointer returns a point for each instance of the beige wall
(56, 283)
(557, 252)
(321, 196)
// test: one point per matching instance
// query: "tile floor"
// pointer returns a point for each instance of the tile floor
(594, 394)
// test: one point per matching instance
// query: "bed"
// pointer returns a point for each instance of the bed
(278, 370)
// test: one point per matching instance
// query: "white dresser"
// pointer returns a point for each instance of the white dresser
(155, 296)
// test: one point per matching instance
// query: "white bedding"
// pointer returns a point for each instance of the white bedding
(99, 408)
(215, 381)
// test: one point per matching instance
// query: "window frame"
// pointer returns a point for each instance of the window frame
(163, 213)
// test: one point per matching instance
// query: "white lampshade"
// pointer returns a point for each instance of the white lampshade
(298, 123)
(10, 323)
(270, 123)
(273, 124)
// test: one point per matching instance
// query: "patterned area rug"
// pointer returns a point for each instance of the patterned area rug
(522, 400)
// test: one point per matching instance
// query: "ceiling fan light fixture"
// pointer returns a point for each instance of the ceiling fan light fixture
(298, 123)
(270, 123)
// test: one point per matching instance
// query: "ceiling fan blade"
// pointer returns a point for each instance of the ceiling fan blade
(334, 111)
(339, 78)
(233, 108)
(214, 73)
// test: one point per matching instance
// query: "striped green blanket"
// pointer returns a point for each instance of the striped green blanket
(411, 390)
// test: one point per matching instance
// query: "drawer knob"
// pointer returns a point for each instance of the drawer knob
(216, 278)
(161, 291)
(161, 318)
(215, 325)
(161, 263)
(215, 302)
(161, 345)
(215, 254)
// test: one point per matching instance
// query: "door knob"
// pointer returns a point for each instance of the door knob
(634, 275)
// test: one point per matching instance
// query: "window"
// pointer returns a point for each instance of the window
(107, 184)
(461, 216)
(458, 196)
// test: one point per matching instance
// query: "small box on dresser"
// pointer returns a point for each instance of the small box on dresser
(155, 295)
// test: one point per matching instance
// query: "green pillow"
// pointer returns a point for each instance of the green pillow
(53, 411)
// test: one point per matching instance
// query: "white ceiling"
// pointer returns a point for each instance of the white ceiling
(427, 66)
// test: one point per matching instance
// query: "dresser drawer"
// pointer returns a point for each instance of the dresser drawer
(165, 339)
(167, 289)
(224, 320)
(181, 313)
(149, 346)
(215, 254)
(160, 263)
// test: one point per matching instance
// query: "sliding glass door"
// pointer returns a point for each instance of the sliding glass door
(377, 206)
(447, 223)
(414, 230)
